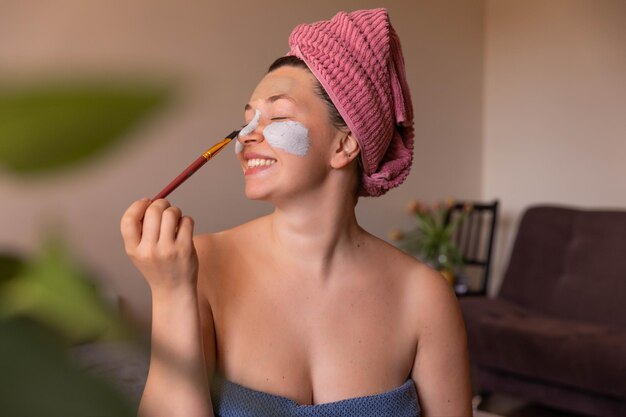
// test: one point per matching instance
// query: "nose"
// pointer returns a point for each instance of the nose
(251, 133)
(253, 137)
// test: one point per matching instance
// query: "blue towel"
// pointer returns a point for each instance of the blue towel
(233, 400)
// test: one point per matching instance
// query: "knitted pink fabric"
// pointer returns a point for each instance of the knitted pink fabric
(357, 58)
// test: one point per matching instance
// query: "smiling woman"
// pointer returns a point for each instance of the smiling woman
(302, 312)
(293, 123)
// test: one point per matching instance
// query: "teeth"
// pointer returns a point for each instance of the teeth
(260, 162)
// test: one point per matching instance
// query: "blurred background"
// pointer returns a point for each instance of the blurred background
(180, 75)
(104, 102)
(521, 100)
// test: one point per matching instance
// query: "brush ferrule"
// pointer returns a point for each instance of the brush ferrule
(213, 150)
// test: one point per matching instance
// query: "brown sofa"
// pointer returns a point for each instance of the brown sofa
(556, 332)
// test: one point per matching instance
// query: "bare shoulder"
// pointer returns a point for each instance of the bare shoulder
(435, 307)
(429, 304)
(419, 277)
(441, 357)
(436, 324)
(217, 251)
(379, 252)
(211, 246)
(430, 297)
(432, 292)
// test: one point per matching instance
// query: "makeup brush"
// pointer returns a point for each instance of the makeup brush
(195, 165)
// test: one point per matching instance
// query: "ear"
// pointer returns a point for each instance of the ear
(346, 150)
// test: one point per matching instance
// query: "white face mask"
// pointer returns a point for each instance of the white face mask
(290, 136)
(249, 128)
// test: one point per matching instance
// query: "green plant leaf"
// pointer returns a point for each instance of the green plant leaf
(51, 126)
(54, 291)
(38, 380)
(10, 266)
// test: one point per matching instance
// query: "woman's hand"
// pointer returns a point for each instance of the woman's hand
(159, 241)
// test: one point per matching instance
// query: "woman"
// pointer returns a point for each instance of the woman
(302, 312)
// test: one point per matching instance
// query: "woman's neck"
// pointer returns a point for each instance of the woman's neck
(315, 229)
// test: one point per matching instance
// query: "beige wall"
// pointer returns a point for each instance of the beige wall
(216, 52)
(555, 107)
(552, 128)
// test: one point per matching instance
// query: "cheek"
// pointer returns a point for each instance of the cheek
(289, 136)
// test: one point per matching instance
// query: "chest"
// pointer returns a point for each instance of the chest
(295, 335)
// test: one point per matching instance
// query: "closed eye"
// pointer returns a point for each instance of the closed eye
(273, 118)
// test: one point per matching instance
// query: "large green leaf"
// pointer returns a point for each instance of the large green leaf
(47, 127)
(54, 291)
(38, 380)
(10, 266)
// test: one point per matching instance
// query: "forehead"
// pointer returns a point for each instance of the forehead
(296, 82)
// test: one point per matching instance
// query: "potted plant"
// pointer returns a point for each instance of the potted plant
(431, 240)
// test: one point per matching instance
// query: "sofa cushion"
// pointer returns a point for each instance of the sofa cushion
(508, 337)
(570, 263)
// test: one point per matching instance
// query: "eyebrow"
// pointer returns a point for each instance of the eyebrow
(273, 99)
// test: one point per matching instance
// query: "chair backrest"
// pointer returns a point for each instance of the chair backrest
(570, 263)
(474, 237)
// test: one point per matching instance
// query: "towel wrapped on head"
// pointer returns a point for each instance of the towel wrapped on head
(358, 60)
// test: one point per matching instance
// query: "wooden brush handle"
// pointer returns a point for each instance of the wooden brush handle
(195, 165)
(188, 172)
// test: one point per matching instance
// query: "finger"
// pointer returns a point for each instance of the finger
(152, 220)
(169, 223)
(185, 229)
(131, 225)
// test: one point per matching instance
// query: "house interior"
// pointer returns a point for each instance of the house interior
(518, 103)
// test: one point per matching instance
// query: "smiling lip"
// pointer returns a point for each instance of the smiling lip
(252, 156)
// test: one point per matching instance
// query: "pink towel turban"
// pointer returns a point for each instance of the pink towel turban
(357, 58)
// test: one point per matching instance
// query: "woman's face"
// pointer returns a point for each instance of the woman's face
(289, 151)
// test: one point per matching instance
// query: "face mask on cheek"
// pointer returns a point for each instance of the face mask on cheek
(290, 136)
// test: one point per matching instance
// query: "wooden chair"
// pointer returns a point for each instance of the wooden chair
(474, 238)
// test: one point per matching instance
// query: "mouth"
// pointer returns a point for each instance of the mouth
(254, 160)
(258, 162)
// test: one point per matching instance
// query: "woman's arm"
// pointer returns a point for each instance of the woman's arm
(206, 271)
(159, 242)
(441, 368)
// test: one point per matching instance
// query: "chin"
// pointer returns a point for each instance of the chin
(273, 196)
(257, 193)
